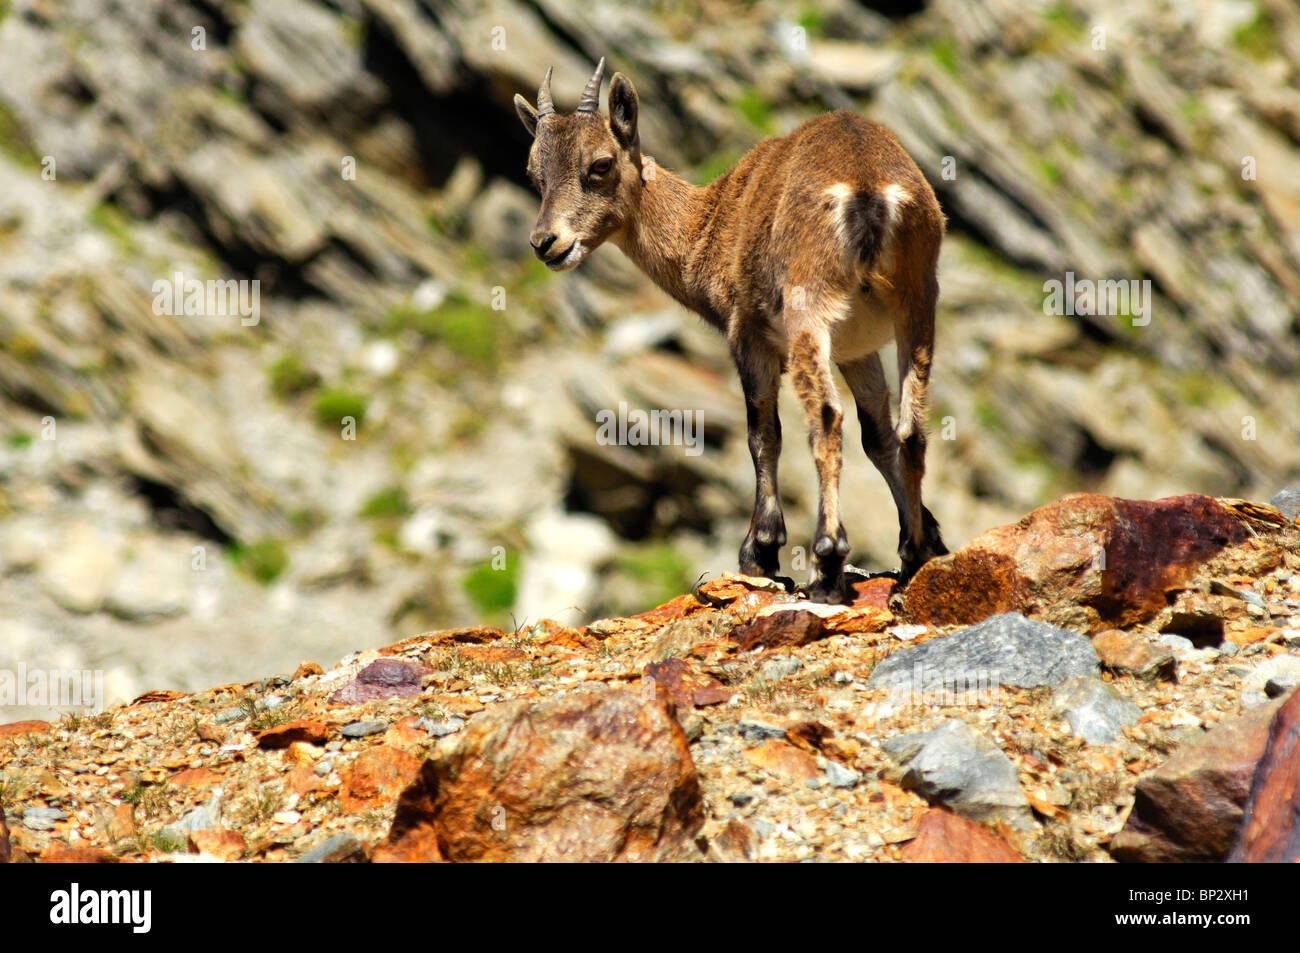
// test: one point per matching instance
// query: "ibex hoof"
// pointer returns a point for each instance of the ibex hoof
(830, 591)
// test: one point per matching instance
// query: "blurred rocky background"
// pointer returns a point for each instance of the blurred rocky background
(178, 503)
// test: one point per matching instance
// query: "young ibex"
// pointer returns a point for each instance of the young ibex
(819, 247)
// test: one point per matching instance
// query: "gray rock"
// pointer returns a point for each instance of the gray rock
(775, 669)
(1288, 501)
(440, 729)
(360, 729)
(840, 776)
(1181, 645)
(1270, 679)
(228, 715)
(1006, 649)
(741, 798)
(339, 849)
(1279, 685)
(758, 730)
(42, 818)
(962, 770)
(324, 768)
(1094, 710)
(201, 818)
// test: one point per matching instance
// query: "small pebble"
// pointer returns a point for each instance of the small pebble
(758, 730)
(360, 729)
(42, 818)
(440, 729)
(840, 776)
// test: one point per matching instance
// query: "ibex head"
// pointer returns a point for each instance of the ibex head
(586, 167)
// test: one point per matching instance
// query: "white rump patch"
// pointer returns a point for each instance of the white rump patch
(840, 192)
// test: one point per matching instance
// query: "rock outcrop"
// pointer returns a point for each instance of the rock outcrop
(1190, 808)
(597, 775)
(1086, 561)
(1270, 828)
(184, 479)
(735, 722)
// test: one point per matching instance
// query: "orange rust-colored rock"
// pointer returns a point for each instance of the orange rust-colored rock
(220, 842)
(119, 822)
(408, 735)
(6, 852)
(808, 735)
(784, 759)
(16, 729)
(493, 654)
(303, 729)
(599, 774)
(874, 593)
(1270, 828)
(376, 777)
(303, 781)
(855, 620)
(737, 842)
(731, 586)
(1133, 653)
(676, 681)
(1252, 634)
(943, 837)
(305, 669)
(468, 635)
(60, 853)
(196, 778)
(796, 627)
(418, 846)
(672, 610)
(1086, 561)
(161, 695)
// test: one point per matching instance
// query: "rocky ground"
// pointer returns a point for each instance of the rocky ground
(1120, 687)
(178, 504)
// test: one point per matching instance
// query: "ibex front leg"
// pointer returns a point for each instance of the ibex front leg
(810, 369)
(760, 377)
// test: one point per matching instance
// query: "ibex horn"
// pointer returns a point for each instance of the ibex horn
(544, 105)
(590, 102)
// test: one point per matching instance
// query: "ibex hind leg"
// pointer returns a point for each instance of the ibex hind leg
(919, 538)
(866, 379)
(810, 370)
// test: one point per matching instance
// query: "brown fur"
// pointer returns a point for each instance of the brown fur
(816, 249)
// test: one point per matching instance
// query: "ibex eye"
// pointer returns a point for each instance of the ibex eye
(601, 166)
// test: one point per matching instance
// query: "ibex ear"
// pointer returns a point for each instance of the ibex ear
(527, 115)
(623, 110)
